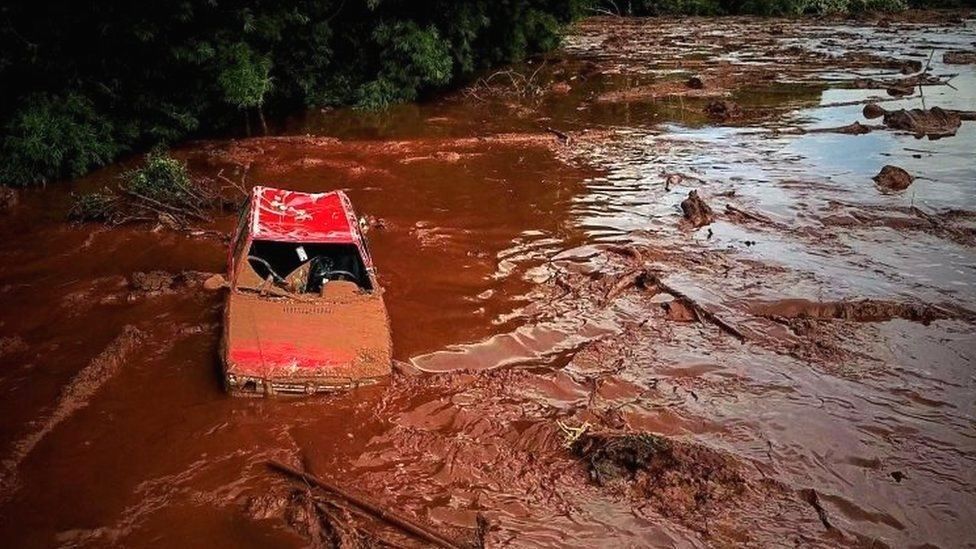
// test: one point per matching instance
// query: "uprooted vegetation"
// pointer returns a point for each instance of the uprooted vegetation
(681, 480)
(161, 191)
(316, 519)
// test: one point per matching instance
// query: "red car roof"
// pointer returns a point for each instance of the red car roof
(292, 216)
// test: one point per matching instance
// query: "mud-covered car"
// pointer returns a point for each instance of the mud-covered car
(304, 312)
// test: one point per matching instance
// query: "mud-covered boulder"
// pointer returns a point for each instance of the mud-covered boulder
(893, 178)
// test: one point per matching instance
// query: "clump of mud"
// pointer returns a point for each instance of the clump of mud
(933, 123)
(164, 282)
(959, 58)
(681, 480)
(893, 178)
(696, 210)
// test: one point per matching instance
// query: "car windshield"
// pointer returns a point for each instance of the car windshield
(304, 268)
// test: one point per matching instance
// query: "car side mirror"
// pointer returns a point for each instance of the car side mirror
(216, 282)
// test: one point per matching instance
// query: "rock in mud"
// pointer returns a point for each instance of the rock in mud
(959, 58)
(893, 178)
(695, 83)
(8, 198)
(723, 109)
(696, 210)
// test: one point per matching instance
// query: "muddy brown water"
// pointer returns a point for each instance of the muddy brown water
(496, 253)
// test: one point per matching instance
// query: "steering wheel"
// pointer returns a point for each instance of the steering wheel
(277, 277)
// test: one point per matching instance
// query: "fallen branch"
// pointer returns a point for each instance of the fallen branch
(149, 202)
(627, 280)
(561, 135)
(646, 278)
(696, 308)
(389, 517)
(729, 208)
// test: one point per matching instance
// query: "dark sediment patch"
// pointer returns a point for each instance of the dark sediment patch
(721, 110)
(12, 345)
(680, 479)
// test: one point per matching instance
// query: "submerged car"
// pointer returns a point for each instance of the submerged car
(304, 313)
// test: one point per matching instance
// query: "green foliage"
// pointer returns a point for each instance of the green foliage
(84, 81)
(855, 6)
(93, 206)
(52, 136)
(412, 58)
(163, 179)
(686, 7)
(245, 76)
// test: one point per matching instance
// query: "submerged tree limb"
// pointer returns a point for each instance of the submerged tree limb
(401, 522)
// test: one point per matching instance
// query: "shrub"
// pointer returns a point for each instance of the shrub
(52, 136)
(245, 78)
(163, 179)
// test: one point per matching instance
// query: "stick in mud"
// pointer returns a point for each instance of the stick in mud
(811, 497)
(644, 277)
(390, 517)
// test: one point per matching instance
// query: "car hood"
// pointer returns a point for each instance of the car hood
(278, 338)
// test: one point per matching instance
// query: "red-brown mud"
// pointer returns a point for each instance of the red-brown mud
(75, 395)
(802, 365)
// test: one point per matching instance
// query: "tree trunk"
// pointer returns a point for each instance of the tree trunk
(264, 124)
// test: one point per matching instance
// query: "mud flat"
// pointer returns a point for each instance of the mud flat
(577, 362)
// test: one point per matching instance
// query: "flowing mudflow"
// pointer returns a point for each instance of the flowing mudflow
(582, 360)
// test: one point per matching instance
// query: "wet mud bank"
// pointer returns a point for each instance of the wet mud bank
(645, 291)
